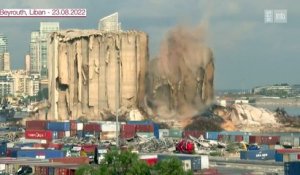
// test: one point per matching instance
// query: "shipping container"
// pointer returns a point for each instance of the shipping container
(192, 133)
(258, 155)
(3, 149)
(239, 138)
(79, 133)
(255, 139)
(150, 159)
(127, 135)
(108, 135)
(198, 162)
(128, 128)
(71, 160)
(110, 127)
(61, 134)
(58, 126)
(73, 133)
(79, 126)
(164, 133)
(38, 134)
(54, 135)
(155, 126)
(287, 157)
(57, 146)
(73, 125)
(36, 124)
(289, 140)
(64, 171)
(41, 170)
(270, 140)
(292, 168)
(40, 154)
(175, 133)
(144, 128)
(211, 135)
(145, 134)
(92, 127)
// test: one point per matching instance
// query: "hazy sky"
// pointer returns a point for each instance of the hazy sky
(248, 52)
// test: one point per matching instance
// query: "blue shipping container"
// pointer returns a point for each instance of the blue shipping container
(195, 159)
(147, 122)
(278, 157)
(3, 149)
(258, 154)
(41, 154)
(292, 168)
(79, 134)
(211, 135)
(58, 126)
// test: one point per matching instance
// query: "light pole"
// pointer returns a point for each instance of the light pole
(117, 97)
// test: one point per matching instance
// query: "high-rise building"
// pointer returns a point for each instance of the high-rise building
(110, 23)
(34, 53)
(3, 44)
(6, 84)
(27, 63)
(38, 48)
(6, 61)
(45, 29)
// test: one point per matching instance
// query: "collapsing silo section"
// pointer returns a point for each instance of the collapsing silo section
(180, 80)
(92, 73)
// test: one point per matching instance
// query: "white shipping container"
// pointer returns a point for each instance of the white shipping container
(2, 167)
(67, 134)
(10, 145)
(163, 133)
(79, 126)
(109, 128)
(204, 162)
(108, 135)
(187, 165)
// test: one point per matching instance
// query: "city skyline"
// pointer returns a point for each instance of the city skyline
(248, 52)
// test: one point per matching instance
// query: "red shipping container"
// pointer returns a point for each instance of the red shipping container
(73, 133)
(88, 148)
(239, 138)
(196, 134)
(38, 134)
(61, 134)
(282, 151)
(36, 124)
(220, 137)
(64, 171)
(128, 128)
(255, 139)
(73, 125)
(92, 127)
(41, 170)
(270, 140)
(56, 146)
(144, 128)
(127, 135)
(72, 160)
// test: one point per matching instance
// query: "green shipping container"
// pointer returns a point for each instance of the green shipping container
(175, 133)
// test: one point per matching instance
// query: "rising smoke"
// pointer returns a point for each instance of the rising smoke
(180, 79)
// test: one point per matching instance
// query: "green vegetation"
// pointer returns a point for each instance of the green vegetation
(118, 162)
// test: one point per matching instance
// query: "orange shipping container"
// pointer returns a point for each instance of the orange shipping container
(71, 160)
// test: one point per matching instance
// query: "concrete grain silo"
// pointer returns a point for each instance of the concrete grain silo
(92, 73)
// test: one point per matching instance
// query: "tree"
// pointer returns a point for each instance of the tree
(171, 166)
(117, 163)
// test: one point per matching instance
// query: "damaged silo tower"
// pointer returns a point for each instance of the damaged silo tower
(91, 70)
